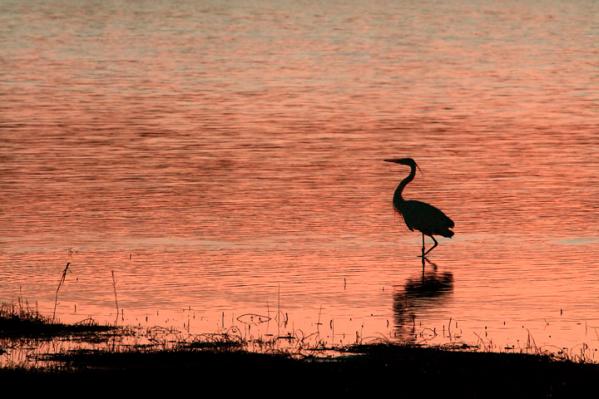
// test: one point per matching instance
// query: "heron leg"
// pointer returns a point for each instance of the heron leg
(422, 256)
(433, 264)
(431, 248)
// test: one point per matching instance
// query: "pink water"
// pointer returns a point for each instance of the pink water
(226, 159)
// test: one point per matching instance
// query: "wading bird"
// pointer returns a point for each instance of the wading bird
(419, 215)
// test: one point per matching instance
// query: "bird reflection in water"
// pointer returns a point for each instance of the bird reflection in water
(429, 290)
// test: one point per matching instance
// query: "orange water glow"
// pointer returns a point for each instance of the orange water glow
(226, 160)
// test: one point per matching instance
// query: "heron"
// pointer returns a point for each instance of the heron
(427, 219)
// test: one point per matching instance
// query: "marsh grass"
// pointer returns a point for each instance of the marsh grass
(238, 361)
(22, 321)
(63, 277)
(408, 370)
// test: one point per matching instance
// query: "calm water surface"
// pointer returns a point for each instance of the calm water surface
(225, 159)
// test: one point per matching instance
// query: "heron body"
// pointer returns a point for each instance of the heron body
(418, 215)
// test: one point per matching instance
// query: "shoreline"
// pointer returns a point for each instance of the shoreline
(367, 369)
(224, 363)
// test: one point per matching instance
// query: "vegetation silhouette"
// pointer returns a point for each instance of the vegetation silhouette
(419, 215)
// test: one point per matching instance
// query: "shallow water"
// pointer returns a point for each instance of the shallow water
(226, 159)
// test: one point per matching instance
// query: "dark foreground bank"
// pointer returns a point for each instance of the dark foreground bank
(403, 371)
(222, 367)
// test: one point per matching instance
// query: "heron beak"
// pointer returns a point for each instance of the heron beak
(401, 161)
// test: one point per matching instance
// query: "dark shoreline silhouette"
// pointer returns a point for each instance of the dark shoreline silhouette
(225, 367)
(409, 371)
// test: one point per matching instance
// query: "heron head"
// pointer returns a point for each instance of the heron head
(404, 161)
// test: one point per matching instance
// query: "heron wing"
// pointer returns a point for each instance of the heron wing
(424, 217)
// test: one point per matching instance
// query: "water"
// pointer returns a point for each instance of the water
(226, 160)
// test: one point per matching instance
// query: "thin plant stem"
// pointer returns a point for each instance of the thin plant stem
(62, 279)
(116, 301)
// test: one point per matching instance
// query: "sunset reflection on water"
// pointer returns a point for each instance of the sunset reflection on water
(226, 159)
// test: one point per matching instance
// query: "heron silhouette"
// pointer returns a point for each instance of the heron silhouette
(418, 215)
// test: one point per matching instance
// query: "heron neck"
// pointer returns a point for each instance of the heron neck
(397, 197)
